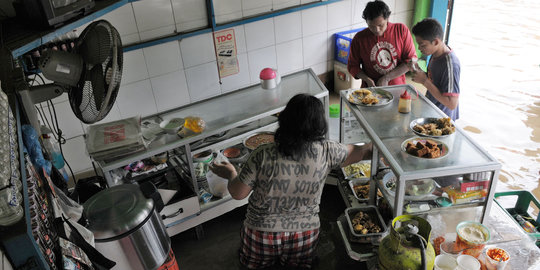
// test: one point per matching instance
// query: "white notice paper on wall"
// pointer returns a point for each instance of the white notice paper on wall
(225, 42)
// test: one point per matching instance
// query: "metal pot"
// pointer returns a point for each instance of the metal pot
(127, 228)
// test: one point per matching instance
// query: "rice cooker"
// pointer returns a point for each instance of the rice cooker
(127, 227)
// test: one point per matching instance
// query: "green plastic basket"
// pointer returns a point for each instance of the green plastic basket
(523, 201)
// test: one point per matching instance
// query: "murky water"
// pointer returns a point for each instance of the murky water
(498, 44)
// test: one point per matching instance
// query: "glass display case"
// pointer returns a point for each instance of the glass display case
(230, 118)
(460, 178)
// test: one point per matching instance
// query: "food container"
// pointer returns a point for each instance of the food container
(236, 154)
(467, 262)
(359, 170)
(172, 126)
(374, 216)
(472, 237)
(445, 262)
(450, 248)
(360, 184)
(494, 256)
(269, 78)
(257, 139)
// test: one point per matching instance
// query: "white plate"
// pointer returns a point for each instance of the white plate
(384, 97)
(427, 120)
(389, 177)
(442, 146)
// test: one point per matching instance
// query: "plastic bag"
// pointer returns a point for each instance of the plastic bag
(217, 185)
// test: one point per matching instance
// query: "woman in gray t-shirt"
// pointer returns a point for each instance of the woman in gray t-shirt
(286, 180)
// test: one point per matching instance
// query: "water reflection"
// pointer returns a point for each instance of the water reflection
(497, 43)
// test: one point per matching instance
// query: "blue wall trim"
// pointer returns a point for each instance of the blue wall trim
(215, 27)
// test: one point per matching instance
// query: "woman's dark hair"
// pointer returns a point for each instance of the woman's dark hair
(428, 29)
(375, 9)
(300, 123)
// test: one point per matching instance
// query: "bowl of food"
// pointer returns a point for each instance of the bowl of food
(236, 153)
(360, 169)
(257, 139)
(172, 126)
(496, 258)
(472, 237)
(433, 127)
(425, 148)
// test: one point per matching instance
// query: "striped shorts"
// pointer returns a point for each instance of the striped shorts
(261, 249)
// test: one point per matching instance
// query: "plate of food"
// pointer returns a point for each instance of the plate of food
(414, 189)
(433, 127)
(360, 169)
(425, 148)
(370, 97)
(237, 153)
(253, 141)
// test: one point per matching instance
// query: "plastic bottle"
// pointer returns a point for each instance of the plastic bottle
(404, 105)
(53, 149)
(526, 225)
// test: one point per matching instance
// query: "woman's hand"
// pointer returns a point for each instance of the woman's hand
(224, 170)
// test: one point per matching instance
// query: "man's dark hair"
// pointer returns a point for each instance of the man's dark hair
(300, 123)
(375, 9)
(428, 29)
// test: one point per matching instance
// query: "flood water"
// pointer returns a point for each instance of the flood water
(498, 44)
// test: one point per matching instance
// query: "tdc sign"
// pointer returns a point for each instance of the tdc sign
(224, 38)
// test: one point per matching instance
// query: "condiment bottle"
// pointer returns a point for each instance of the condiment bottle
(526, 225)
(404, 105)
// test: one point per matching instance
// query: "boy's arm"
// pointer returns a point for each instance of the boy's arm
(354, 62)
(449, 101)
(448, 96)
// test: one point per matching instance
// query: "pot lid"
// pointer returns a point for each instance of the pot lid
(117, 210)
(267, 74)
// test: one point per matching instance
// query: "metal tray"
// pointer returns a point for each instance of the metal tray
(375, 217)
(389, 177)
(384, 97)
(356, 182)
(442, 146)
(255, 134)
(356, 176)
(427, 120)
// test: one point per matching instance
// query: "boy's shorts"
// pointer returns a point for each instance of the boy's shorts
(261, 249)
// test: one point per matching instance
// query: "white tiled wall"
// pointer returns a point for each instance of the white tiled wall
(176, 73)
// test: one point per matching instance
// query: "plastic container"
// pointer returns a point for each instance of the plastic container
(375, 217)
(467, 262)
(468, 239)
(405, 100)
(217, 185)
(343, 44)
(334, 110)
(523, 201)
(343, 79)
(450, 248)
(445, 262)
(493, 257)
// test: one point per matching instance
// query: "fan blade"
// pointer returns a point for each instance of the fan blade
(98, 85)
(95, 46)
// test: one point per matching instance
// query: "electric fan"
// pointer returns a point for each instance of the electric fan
(91, 75)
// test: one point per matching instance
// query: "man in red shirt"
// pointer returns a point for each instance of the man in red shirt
(379, 54)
